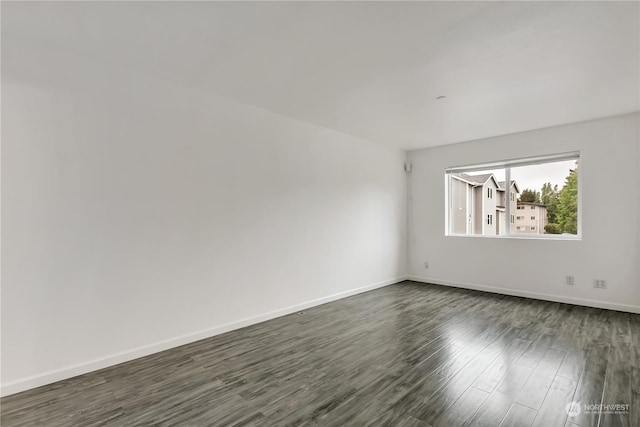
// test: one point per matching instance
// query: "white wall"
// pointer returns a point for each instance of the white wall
(608, 250)
(138, 215)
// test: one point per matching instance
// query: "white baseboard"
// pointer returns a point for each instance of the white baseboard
(125, 356)
(527, 294)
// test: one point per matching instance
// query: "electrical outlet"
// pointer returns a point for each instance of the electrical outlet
(426, 264)
(570, 281)
(601, 284)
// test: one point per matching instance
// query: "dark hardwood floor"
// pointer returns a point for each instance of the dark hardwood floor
(405, 355)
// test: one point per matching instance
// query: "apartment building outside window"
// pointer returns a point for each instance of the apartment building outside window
(546, 186)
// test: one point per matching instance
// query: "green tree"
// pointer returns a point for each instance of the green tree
(550, 197)
(530, 196)
(567, 213)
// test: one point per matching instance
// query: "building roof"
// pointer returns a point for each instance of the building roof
(474, 179)
(534, 204)
(502, 183)
(482, 179)
(477, 180)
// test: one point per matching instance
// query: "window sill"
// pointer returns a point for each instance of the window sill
(518, 237)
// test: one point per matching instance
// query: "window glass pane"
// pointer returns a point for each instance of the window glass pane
(541, 198)
(476, 202)
(549, 191)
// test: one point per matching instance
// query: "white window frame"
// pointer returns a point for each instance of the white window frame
(507, 165)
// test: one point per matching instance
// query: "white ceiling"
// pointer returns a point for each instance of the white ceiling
(371, 70)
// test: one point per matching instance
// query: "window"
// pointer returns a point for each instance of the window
(547, 185)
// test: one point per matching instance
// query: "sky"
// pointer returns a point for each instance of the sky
(534, 176)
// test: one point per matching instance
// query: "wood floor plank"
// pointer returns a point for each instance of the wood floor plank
(537, 350)
(495, 408)
(462, 409)
(492, 411)
(617, 388)
(501, 366)
(634, 361)
(591, 385)
(538, 384)
(393, 418)
(520, 416)
(553, 409)
(573, 363)
(430, 408)
(404, 355)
